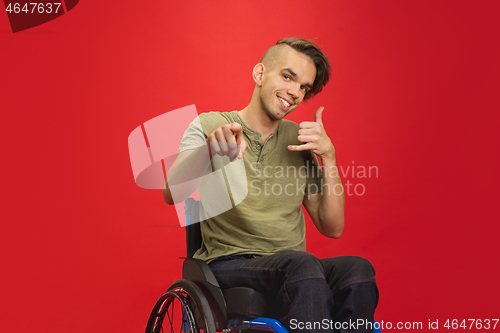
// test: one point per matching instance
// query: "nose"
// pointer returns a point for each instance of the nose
(294, 91)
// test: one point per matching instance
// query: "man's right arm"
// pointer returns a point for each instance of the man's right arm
(190, 165)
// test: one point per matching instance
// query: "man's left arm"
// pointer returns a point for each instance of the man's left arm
(326, 208)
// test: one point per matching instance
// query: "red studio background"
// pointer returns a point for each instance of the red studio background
(414, 95)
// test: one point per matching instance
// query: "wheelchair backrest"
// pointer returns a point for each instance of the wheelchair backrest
(193, 231)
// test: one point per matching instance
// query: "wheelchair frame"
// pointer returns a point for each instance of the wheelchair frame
(200, 297)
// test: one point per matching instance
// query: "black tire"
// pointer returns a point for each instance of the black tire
(182, 309)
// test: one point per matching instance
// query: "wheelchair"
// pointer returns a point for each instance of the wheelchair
(197, 304)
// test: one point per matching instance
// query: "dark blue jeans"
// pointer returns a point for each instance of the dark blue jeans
(312, 295)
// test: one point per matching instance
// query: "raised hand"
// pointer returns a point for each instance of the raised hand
(313, 137)
(227, 140)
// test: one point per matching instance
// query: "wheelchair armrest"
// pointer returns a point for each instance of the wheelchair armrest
(200, 273)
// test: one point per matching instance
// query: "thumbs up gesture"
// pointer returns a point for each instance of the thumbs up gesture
(313, 137)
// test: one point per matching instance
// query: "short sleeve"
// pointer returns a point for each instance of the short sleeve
(193, 137)
(315, 175)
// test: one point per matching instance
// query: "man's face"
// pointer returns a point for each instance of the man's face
(286, 83)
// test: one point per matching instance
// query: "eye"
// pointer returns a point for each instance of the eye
(286, 77)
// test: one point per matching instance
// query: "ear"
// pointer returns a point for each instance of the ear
(258, 74)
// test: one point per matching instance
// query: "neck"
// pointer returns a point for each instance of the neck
(257, 119)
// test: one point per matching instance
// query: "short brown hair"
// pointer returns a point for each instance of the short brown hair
(317, 56)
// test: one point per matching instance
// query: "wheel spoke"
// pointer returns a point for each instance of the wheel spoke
(171, 318)
(189, 315)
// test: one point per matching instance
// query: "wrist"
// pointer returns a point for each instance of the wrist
(328, 158)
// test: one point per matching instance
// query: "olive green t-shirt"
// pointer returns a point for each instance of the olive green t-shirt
(266, 190)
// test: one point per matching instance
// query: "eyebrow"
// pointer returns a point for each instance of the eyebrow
(292, 73)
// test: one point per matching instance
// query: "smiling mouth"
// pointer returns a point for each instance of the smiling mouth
(284, 102)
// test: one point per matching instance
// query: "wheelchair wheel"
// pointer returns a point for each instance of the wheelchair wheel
(182, 309)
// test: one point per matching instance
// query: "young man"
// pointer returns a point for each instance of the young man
(260, 241)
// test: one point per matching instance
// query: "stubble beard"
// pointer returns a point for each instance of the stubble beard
(274, 112)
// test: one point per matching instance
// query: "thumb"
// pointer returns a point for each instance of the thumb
(243, 146)
(318, 115)
(237, 130)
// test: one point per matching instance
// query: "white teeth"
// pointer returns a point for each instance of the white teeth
(284, 102)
